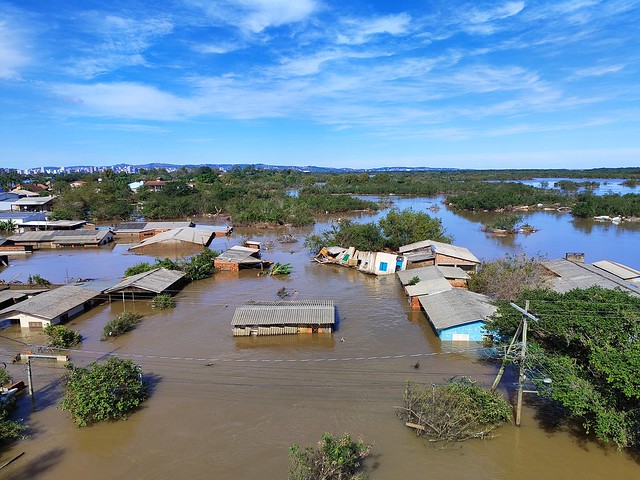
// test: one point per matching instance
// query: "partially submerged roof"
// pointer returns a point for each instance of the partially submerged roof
(431, 280)
(455, 273)
(157, 281)
(240, 254)
(62, 236)
(618, 269)
(293, 312)
(447, 249)
(52, 303)
(186, 235)
(456, 307)
(570, 275)
(137, 227)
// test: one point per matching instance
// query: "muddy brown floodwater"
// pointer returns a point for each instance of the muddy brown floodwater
(228, 408)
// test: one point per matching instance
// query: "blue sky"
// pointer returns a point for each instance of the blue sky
(438, 83)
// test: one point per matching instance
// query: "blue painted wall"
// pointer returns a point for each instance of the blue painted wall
(475, 330)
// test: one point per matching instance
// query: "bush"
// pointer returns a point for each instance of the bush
(163, 302)
(414, 281)
(122, 323)
(138, 268)
(505, 278)
(62, 337)
(4, 377)
(38, 280)
(509, 223)
(334, 458)
(107, 391)
(455, 412)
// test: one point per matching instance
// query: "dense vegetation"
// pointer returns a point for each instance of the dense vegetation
(163, 301)
(453, 412)
(99, 392)
(395, 229)
(334, 459)
(589, 205)
(251, 196)
(587, 342)
(507, 223)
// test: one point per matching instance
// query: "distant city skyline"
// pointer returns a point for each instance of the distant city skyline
(470, 84)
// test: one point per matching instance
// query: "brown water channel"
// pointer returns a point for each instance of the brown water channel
(236, 418)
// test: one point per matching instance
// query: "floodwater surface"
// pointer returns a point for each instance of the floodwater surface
(229, 408)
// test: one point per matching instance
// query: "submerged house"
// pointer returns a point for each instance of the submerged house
(154, 282)
(238, 257)
(51, 307)
(284, 317)
(430, 252)
(185, 236)
(136, 231)
(61, 238)
(458, 314)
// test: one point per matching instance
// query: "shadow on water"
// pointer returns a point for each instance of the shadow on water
(35, 467)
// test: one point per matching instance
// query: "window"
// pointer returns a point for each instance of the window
(383, 266)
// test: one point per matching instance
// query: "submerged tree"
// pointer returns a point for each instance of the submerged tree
(456, 411)
(106, 391)
(334, 459)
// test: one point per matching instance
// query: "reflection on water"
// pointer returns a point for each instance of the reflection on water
(228, 407)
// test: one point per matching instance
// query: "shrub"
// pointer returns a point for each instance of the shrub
(414, 281)
(99, 392)
(38, 280)
(122, 323)
(163, 302)
(334, 458)
(456, 411)
(138, 268)
(4, 377)
(62, 337)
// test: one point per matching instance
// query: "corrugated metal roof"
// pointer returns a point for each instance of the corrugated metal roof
(238, 254)
(52, 303)
(571, 275)
(419, 256)
(456, 307)
(454, 272)
(196, 236)
(423, 273)
(15, 295)
(431, 281)
(449, 250)
(51, 224)
(169, 225)
(155, 281)
(293, 312)
(617, 269)
(62, 236)
(31, 201)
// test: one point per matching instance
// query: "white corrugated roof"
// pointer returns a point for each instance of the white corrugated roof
(52, 303)
(447, 249)
(155, 281)
(617, 269)
(456, 307)
(293, 312)
(179, 235)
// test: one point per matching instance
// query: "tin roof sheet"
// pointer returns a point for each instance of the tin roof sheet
(52, 303)
(571, 275)
(617, 269)
(456, 307)
(293, 312)
(155, 281)
(196, 236)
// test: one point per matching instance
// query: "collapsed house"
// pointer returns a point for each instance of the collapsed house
(284, 317)
(376, 263)
(178, 237)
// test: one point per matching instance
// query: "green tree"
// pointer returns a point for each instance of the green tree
(408, 226)
(121, 324)
(507, 277)
(107, 391)
(588, 343)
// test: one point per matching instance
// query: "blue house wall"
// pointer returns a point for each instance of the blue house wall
(475, 330)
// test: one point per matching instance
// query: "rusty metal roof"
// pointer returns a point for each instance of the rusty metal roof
(292, 312)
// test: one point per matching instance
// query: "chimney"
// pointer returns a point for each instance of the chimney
(575, 257)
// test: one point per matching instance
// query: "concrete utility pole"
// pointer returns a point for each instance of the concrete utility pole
(521, 332)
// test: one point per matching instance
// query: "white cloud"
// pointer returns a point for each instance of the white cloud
(121, 42)
(216, 48)
(599, 71)
(358, 31)
(13, 55)
(254, 16)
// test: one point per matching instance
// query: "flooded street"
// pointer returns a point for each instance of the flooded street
(229, 408)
